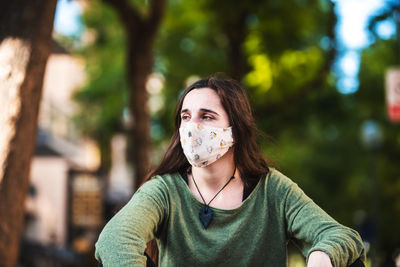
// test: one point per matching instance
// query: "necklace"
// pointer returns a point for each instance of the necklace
(206, 213)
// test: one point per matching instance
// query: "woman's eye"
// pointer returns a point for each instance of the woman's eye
(185, 117)
(207, 117)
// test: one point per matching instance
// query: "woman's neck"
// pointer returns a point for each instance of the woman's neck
(215, 175)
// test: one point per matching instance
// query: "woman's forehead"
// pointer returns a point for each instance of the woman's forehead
(202, 98)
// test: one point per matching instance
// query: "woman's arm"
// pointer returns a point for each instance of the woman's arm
(123, 240)
(316, 233)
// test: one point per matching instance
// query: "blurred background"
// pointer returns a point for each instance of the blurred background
(323, 78)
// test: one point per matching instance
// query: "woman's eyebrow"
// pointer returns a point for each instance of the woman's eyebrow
(209, 111)
(202, 110)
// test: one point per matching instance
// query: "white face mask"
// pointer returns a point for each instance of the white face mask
(202, 144)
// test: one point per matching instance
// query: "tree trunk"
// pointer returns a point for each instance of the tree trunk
(25, 43)
(237, 31)
(141, 32)
(140, 66)
(231, 21)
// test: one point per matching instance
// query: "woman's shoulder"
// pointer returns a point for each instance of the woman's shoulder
(159, 188)
(162, 182)
(277, 182)
(277, 177)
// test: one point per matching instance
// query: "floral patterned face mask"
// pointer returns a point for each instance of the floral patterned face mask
(203, 145)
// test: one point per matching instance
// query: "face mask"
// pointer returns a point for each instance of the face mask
(203, 145)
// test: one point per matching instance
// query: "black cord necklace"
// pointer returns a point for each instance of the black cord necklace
(206, 213)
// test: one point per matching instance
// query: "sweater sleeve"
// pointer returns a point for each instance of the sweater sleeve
(123, 240)
(313, 229)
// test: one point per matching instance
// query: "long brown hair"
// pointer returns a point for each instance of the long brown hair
(247, 156)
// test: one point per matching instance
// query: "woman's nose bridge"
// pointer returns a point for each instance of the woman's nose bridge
(195, 118)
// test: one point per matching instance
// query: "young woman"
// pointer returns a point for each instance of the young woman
(213, 200)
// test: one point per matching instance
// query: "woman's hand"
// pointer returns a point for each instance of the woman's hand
(319, 259)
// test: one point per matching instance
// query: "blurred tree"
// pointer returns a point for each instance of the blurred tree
(281, 63)
(141, 23)
(25, 42)
(141, 26)
(290, 50)
(284, 50)
(318, 144)
(231, 22)
(104, 99)
(383, 187)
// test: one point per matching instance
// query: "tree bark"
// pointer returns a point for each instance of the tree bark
(25, 43)
(141, 32)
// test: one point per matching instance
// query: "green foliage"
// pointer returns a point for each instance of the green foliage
(188, 46)
(281, 58)
(318, 144)
(315, 130)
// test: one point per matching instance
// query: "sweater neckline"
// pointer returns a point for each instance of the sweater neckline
(218, 210)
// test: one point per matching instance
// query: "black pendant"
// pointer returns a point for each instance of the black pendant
(206, 215)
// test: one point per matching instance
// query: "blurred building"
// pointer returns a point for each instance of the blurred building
(64, 205)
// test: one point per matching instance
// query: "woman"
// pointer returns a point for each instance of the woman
(213, 200)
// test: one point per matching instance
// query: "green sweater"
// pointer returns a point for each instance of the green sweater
(254, 234)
